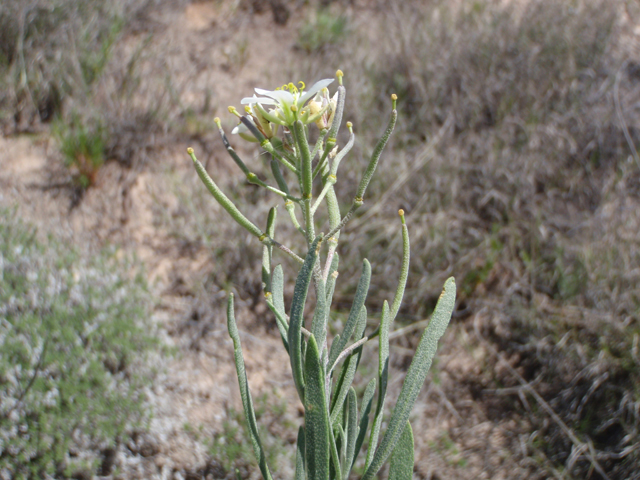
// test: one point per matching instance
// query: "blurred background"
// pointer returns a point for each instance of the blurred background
(515, 158)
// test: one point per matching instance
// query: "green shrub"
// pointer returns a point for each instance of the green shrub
(82, 144)
(322, 30)
(72, 337)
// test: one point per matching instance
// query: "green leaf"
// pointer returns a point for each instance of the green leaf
(404, 271)
(367, 402)
(281, 323)
(267, 251)
(375, 156)
(300, 470)
(352, 320)
(223, 200)
(331, 281)
(352, 432)
(383, 373)
(319, 322)
(245, 394)
(348, 371)
(297, 310)
(401, 467)
(277, 290)
(316, 418)
(415, 376)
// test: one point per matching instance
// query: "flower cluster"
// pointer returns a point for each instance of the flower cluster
(289, 104)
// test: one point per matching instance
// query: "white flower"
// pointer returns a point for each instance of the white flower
(288, 101)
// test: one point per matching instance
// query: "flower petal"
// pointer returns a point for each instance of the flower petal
(261, 100)
(281, 95)
(319, 85)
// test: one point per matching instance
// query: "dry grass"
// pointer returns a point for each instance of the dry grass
(515, 161)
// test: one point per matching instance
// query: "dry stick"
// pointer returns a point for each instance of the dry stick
(591, 455)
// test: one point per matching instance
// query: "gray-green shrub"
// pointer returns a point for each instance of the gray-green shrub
(72, 339)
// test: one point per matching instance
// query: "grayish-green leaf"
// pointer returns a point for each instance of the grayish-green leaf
(277, 290)
(300, 470)
(415, 376)
(245, 394)
(352, 320)
(281, 323)
(331, 281)
(316, 418)
(401, 465)
(404, 272)
(352, 432)
(367, 402)
(383, 373)
(267, 251)
(296, 320)
(348, 371)
(319, 322)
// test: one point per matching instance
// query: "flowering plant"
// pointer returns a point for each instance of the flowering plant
(335, 422)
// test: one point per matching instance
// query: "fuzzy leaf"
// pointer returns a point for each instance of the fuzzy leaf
(316, 418)
(348, 371)
(383, 373)
(367, 402)
(401, 467)
(416, 375)
(352, 432)
(300, 473)
(352, 320)
(245, 394)
(297, 309)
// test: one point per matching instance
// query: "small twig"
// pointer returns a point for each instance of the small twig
(347, 351)
(285, 249)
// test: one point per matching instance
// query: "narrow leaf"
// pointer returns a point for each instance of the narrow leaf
(281, 323)
(375, 156)
(367, 402)
(319, 322)
(401, 467)
(383, 373)
(277, 290)
(415, 376)
(223, 200)
(295, 323)
(348, 371)
(245, 394)
(267, 251)
(300, 470)
(352, 320)
(331, 280)
(316, 418)
(404, 271)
